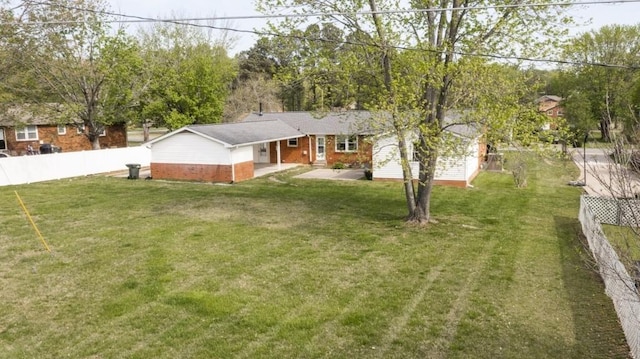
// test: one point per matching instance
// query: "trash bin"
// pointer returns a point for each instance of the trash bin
(46, 148)
(134, 170)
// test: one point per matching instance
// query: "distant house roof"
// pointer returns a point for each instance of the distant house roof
(553, 98)
(241, 133)
(310, 123)
(30, 114)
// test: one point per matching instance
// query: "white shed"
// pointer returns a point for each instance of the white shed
(215, 153)
(457, 168)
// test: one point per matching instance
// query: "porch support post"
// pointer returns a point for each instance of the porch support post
(278, 157)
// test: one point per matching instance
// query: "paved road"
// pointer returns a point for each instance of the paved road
(604, 177)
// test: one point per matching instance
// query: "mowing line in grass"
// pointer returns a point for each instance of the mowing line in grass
(462, 302)
(399, 323)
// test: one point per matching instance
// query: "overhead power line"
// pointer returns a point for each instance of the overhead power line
(127, 18)
(194, 23)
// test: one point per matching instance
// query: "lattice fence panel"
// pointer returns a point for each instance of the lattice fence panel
(605, 209)
(616, 211)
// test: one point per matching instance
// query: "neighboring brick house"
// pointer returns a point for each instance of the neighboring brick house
(551, 106)
(33, 126)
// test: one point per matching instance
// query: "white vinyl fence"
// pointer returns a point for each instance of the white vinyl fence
(620, 287)
(46, 167)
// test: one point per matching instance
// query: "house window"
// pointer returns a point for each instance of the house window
(292, 142)
(346, 143)
(550, 112)
(62, 129)
(560, 113)
(27, 133)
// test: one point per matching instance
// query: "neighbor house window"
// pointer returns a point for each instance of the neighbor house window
(27, 133)
(62, 129)
(292, 142)
(346, 143)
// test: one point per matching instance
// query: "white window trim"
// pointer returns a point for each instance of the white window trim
(290, 144)
(25, 131)
(346, 143)
(63, 128)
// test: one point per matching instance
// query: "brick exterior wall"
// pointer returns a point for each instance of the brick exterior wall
(300, 154)
(244, 171)
(201, 173)
(116, 136)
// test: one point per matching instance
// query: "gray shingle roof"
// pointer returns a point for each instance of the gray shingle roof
(331, 123)
(349, 122)
(276, 126)
(245, 133)
(549, 97)
(33, 114)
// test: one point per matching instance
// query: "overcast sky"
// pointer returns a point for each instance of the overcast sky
(598, 15)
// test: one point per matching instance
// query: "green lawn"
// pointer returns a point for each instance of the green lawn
(292, 268)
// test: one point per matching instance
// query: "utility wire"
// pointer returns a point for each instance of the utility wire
(190, 22)
(143, 19)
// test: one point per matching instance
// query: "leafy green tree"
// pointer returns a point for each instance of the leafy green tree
(608, 89)
(71, 60)
(189, 77)
(425, 56)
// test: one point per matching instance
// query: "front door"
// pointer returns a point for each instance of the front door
(3, 143)
(320, 148)
(261, 153)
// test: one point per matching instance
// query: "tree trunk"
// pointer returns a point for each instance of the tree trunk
(146, 129)
(422, 210)
(605, 129)
(95, 142)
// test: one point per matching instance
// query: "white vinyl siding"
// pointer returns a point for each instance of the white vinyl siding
(386, 162)
(189, 148)
(241, 154)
